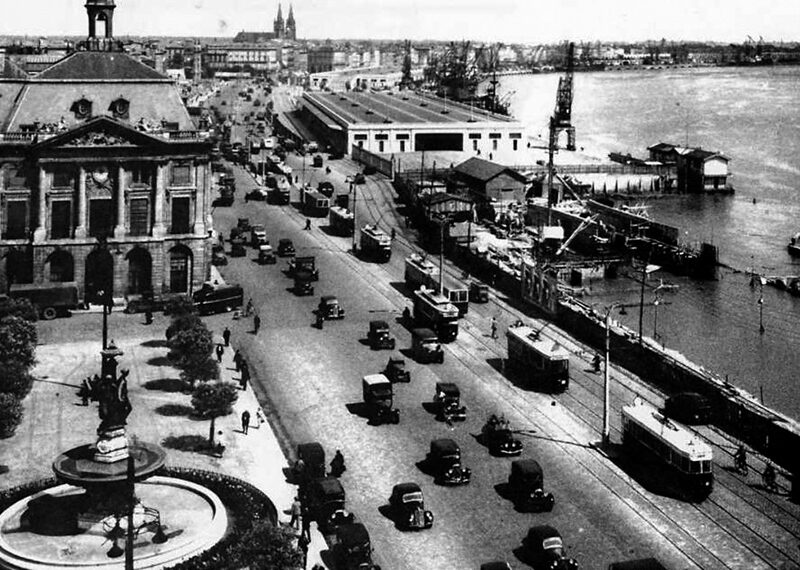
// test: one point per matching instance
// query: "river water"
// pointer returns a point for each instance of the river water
(750, 115)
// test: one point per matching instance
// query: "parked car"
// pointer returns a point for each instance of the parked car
(285, 247)
(317, 161)
(689, 408)
(408, 507)
(303, 283)
(396, 371)
(256, 195)
(335, 155)
(425, 346)
(305, 263)
(352, 549)
(379, 337)
(217, 298)
(379, 399)
(444, 461)
(545, 549)
(498, 437)
(258, 236)
(238, 250)
(447, 400)
(478, 292)
(325, 501)
(243, 224)
(525, 487)
(312, 455)
(237, 237)
(266, 255)
(330, 308)
(153, 303)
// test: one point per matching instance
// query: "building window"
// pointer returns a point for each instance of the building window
(180, 216)
(120, 108)
(181, 175)
(62, 177)
(380, 145)
(494, 144)
(514, 144)
(60, 219)
(142, 174)
(16, 219)
(101, 215)
(62, 267)
(360, 144)
(139, 217)
(402, 146)
(179, 261)
(82, 108)
(474, 144)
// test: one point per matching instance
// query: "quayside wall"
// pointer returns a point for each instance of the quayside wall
(736, 412)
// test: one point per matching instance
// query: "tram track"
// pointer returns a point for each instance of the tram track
(589, 384)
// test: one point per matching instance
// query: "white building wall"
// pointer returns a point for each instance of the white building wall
(716, 167)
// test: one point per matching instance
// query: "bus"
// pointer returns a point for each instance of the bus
(680, 457)
(543, 363)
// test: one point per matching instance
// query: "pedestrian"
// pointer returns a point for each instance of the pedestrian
(220, 351)
(237, 359)
(394, 233)
(148, 317)
(219, 444)
(302, 545)
(596, 363)
(306, 524)
(256, 323)
(494, 327)
(226, 336)
(245, 378)
(260, 419)
(245, 421)
(249, 309)
(296, 511)
(308, 224)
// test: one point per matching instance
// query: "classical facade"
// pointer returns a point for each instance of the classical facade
(104, 180)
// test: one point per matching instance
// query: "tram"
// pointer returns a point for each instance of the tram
(686, 459)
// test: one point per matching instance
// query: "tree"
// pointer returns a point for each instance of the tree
(266, 546)
(199, 370)
(17, 341)
(22, 308)
(10, 414)
(407, 81)
(15, 379)
(179, 306)
(191, 344)
(213, 400)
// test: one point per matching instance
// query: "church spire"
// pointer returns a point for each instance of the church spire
(279, 27)
(291, 27)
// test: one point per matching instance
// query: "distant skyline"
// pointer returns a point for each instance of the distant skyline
(510, 21)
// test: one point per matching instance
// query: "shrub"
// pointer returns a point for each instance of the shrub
(199, 370)
(182, 323)
(15, 379)
(22, 308)
(179, 306)
(191, 345)
(10, 414)
(266, 546)
(17, 341)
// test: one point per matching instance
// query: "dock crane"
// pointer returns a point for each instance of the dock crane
(559, 122)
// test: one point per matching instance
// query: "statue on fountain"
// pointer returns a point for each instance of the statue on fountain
(114, 407)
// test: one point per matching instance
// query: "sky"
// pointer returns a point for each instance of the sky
(510, 21)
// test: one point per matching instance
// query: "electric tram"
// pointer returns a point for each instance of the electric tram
(670, 445)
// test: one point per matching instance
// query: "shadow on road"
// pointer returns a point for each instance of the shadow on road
(166, 385)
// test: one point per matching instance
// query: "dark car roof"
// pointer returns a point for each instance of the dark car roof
(403, 488)
(445, 446)
(424, 333)
(352, 534)
(495, 566)
(378, 325)
(303, 274)
(449, 388)
(313, 452)
(526, 467)
(541, 532)
(639, 564)
(328, 299)
(330, 487)
(284, 241)
(688, 399)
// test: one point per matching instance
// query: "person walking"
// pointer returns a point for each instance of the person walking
(237, 360)
(220, 351)
(494, 327)
(226, 336)
(245, 375)
(302, 545)
(256, 323)
(245, 421)
(296, 512)
(308, 224)
(596, 363)
(260, 419)
(148, 317)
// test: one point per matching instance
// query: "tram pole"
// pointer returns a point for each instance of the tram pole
(607, 383)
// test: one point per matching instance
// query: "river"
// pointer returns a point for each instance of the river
(748, 114)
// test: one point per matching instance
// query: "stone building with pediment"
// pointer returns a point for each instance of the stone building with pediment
(104, 179)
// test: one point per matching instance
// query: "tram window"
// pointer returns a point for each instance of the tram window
(695, 467)
(706, 466)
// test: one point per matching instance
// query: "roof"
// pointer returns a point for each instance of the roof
(441, 197)
(423, 333)
(485, 170)
(447, 388)
(670, 432)
(352, 534)
(403, 488)
(445, 446)
(100, 65)
(662, 147)
(375, 379)
(330, 486)
(526, 466)
(705, 155)
(542, 532)
(311, 450)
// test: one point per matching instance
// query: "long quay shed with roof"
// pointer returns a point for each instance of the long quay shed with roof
(406, 121)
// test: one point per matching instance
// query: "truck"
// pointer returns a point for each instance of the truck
(420, 272)
(49, 299)
(375, 244)
(544, 363)
(305, 263)
(436, 312)
(315, 203)
(341, 221)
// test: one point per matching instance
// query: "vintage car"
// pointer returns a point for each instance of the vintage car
(238, 237)
(150, 302)
(447, 401)
(352, 549)
(238, 250)
(325, 501)
(688, 408)
(317, 161)
(378, 336)
(218, 256)
(478, 292)
(266, 255)
(258, 235)
(256, 195)
(303, 262)
(243, 224)
(408, 507)
(498, 437)
(525, 487)
(303, 283)
(310, 463)
(396, 371)
(285, 247)
(444, 461)
(329, 307)
(425, 346)
(379, 399)
(544, 548)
